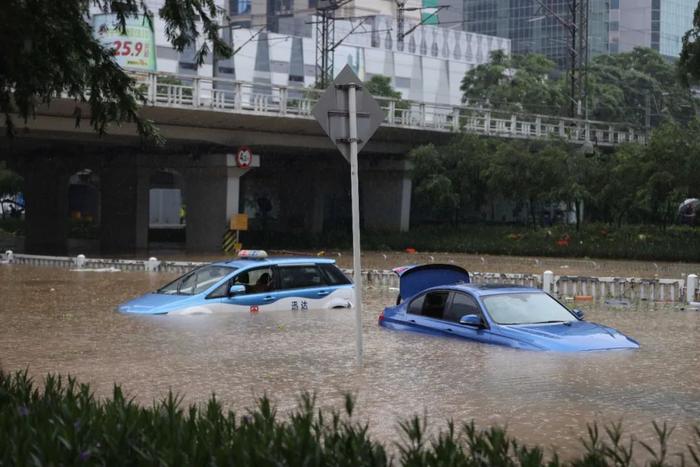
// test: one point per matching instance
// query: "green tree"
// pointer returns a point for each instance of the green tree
(11, 183)
(380, 85)
(670, 168)
(434, 191)
(49, 50)
(689, 62)
(624, 87)
(530, 171)
(514, 84)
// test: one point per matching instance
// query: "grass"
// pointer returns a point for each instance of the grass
(635, 242)
(63, 423)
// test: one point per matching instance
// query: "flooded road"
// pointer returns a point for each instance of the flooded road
(62, 321)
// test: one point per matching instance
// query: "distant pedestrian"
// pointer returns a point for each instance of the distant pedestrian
(183, 213)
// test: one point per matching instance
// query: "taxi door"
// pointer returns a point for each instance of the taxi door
(259, 293)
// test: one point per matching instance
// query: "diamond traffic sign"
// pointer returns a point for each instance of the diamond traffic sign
(331, 112)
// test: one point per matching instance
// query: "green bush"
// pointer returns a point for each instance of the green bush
(637, 242)
(63, 423)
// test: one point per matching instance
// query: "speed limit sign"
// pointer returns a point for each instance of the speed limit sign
(244, 157)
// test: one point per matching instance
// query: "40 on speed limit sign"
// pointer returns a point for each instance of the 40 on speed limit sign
(244, 157)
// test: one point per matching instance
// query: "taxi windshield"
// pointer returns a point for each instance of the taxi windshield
(197, 281)
(526, 308)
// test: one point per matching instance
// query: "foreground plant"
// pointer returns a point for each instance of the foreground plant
(62, 423)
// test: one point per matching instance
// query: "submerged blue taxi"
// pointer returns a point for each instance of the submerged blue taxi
(252, 283)
(439, 299)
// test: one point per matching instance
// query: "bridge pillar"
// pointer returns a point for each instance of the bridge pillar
(120, 198)
(386, 195)
(142, 208)
(207, 199)
(46, 198)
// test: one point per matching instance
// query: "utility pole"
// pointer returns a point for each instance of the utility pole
(400, 23)
(577, 43)
(401, 20)
(325, 35)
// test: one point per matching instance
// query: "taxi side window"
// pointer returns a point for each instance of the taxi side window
(462, 304)
(295, 277)
(255, 281)
(334, 276)
(221, 291)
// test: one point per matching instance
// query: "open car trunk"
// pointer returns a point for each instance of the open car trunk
(414, 279)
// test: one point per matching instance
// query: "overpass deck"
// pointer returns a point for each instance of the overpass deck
(223, 95)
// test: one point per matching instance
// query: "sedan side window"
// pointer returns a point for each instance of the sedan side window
(416, 306)
(434, 304)
(462, 304)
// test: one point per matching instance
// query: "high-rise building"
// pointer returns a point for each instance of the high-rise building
(294, 16)
(536, 26)
(650, 23)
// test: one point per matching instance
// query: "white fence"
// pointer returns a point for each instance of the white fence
(219, 94)
(583, 287)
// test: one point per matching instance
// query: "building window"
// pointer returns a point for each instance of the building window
(614, 26)
(239, 7)
(614, 4)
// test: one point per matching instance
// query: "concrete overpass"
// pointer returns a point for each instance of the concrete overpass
(204, 122)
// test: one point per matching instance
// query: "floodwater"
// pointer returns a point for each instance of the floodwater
(63, 321)
(472, 262)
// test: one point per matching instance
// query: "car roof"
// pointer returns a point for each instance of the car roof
(240, 263)
(482, 290)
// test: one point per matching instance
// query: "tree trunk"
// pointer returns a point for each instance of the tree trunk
(577, 204)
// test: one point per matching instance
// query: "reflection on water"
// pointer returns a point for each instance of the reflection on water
(61, 321)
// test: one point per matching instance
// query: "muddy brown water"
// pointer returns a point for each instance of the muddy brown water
(63, 321)
(473, 262)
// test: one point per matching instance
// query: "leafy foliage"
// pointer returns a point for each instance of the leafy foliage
(518, 84)
(63, 423)
(689, 62)
(380, 85)
(621, 87)
(49, 50)
(11, 182)
(635, 183)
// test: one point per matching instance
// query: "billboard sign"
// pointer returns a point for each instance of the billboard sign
(135, 50)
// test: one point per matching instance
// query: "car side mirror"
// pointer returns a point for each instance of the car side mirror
(236, 289)
(578, 313)
(470, 320)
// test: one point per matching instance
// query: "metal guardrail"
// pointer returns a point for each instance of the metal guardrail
(567, 287)
(225, 95)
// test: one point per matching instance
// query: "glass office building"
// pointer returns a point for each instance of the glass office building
(533, 28)
(659, 24)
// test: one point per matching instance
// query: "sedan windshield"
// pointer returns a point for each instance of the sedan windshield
(526, 308)
(197, 281)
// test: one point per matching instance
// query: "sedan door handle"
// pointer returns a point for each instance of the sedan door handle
(448, 329)
(323, 293)
(269, 298)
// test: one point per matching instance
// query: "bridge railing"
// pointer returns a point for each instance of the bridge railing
(243, 97)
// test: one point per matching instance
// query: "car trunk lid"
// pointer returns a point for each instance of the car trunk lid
(414, 279)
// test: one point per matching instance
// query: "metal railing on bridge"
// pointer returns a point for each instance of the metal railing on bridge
(227, 95)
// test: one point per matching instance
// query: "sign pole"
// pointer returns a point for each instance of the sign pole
(350, 127)
(355, 193)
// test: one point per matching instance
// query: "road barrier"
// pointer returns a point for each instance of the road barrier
(581, 287)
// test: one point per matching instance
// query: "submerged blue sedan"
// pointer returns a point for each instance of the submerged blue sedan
(439, 299)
